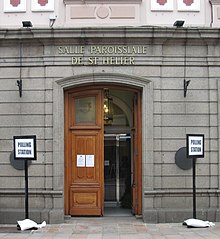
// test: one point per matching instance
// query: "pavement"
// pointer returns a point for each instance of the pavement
(111, 228)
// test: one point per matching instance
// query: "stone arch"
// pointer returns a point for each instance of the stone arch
(104, 78)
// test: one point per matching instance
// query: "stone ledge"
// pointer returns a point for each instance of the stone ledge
(178, 215)
(31, 192)
(180, 192)
(144, 34)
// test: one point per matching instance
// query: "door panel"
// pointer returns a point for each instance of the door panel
(117, 176)
(137, 157)
(110, 168)
(85, 201)
(86, 144)
(84, 153)
(125, 174)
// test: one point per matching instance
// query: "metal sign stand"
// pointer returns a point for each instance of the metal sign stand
(194, 188)
(195, 149)
(26, 189)
(25, 149)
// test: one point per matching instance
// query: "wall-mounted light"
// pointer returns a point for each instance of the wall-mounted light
(19, 84)
(27, 24)
(185, 86)
(178, 23)
(108, 108)
(52, 20)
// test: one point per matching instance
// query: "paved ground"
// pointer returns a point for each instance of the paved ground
(112, 228)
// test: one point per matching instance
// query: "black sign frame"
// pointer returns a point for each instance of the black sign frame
(200, 154)
(26, 138)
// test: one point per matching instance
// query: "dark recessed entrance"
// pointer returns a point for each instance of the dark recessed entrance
(118, 172)
(118, 153)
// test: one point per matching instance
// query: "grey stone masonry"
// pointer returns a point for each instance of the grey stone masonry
(155, 59)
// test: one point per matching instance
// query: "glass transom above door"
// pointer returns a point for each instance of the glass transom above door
(85, 110)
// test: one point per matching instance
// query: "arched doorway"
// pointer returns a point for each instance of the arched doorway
(103, 160)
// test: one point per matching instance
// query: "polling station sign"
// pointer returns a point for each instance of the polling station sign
(195, 145)
(25, 147)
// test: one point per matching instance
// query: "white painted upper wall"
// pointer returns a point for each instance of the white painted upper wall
(86, 13)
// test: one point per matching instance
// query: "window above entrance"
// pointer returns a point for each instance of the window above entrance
(85, 110)
(121, 104)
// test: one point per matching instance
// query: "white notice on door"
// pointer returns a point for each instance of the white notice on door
(81, 162)
(90, 162)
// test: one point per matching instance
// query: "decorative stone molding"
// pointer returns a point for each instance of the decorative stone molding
(14, 5)
(102, 12)
(215, 2)
(19, 192)
(215, 12)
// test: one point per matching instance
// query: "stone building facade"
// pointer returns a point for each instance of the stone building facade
(150, 63)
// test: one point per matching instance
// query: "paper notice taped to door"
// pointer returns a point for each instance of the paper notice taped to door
(90, 160)
(81, 162)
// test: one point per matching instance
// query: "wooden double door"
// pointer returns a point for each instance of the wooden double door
(84, 152)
